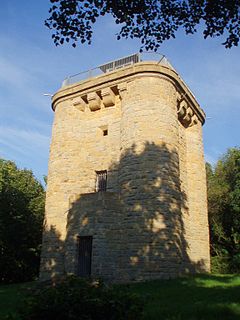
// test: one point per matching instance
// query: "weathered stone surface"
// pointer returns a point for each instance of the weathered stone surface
(152, 220)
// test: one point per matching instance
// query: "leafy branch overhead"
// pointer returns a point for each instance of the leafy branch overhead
(152, 21)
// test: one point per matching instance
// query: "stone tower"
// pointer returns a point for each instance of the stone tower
(126, 193)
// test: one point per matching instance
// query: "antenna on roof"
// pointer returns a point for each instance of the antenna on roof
(123, 62)
(47, 94)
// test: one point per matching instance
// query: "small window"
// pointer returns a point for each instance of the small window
(101, 181)
(105, 132)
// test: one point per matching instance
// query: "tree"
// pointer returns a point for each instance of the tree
(21, 217)
(224, 207)
(152, 21)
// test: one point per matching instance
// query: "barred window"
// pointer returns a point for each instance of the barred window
(101, 181)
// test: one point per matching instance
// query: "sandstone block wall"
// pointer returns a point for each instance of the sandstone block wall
(152, 220)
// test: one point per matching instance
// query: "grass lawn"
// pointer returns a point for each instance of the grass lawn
(200, 297)
(12, 296)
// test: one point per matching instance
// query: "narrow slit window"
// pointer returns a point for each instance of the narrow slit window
(101, 181)
(105, 132)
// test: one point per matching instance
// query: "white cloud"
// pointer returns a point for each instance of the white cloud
(25, 142)
(22, 84)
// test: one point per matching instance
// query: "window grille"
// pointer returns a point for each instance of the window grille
(101, 181)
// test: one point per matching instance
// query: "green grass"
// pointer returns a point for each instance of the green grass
(202, 297)
(12, 297)
(199, 297)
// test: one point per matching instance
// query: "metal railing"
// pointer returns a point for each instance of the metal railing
(144, 56)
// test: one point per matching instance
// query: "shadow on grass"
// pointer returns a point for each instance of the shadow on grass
(200, 297)
(12, 297)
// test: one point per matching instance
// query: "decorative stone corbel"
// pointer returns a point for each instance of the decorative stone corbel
(79, 104)
(185, 114)
(108, 97)
(182, 109)
(194, 120)
(94, 101)
(122, 90)
(188, 116)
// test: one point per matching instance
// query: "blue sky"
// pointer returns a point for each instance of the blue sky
(30, 65)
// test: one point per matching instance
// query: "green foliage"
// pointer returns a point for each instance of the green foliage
(201, 297)
(21, 217)
(224, 211)
(76, 298)
(12, 297)
(220, 265)
(151, 21)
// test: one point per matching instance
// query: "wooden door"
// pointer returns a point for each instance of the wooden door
(84, 256)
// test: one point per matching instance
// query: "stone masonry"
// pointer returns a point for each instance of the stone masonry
(143, 125)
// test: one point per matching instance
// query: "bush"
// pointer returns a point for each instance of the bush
(76, 298)
(235, 263)
(220, 264)
(225, 264)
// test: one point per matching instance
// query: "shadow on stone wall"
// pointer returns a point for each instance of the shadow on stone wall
(52, 255)
(138, 230)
